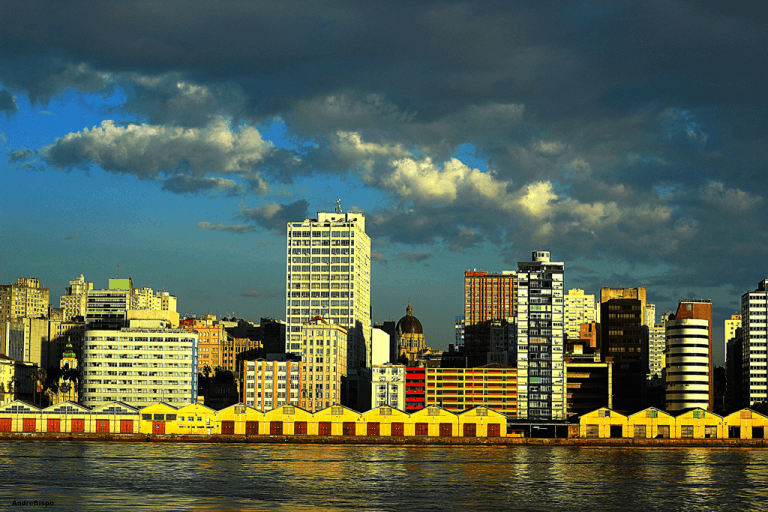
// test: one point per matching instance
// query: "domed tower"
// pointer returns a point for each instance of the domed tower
(410, 336)
(69, 379)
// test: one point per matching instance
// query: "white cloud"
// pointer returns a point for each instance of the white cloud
(729, 198)
(148, 150)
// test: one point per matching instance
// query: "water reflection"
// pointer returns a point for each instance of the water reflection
(151, 476)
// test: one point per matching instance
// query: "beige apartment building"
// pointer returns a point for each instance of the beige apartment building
(580, 308)
(324, 352)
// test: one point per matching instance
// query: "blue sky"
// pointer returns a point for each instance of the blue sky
(629, 139)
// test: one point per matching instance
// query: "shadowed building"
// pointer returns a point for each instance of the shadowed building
(489, 298)
(625, 339)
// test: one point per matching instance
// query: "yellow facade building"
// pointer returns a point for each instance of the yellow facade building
(651, 423)
(603, 423)
(240, 420)
(338, 420)
(289, 420)
(385, 421)
(482, 422)
(195, 419)
(745, 424)
(699, 424)
(434, 421)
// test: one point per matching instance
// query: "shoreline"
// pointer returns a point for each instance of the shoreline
(392, 441)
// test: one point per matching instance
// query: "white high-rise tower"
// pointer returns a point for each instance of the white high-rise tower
(754, 315)
(328, 274)
(540, 339)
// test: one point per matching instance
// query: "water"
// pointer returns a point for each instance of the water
(178, 476)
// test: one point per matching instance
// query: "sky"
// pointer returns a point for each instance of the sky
(176, 139)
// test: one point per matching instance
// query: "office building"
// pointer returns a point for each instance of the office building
(754, 315)
(540, 339)
(458, 389)
(488, 297)
(329, 276)
(589, 383)
(689, 376)
(624, 337)
(139, 366)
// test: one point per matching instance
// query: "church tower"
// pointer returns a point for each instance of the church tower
(68, 380)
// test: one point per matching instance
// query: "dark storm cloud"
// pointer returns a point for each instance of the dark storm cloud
(630, 131)
(276, 216)
(8, 103)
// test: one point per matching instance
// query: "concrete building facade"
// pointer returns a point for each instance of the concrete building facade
(540, 339)
(580, 308)
(74, 301)
(272, 384)
(139, 366)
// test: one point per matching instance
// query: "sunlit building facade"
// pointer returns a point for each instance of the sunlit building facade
(329, 275)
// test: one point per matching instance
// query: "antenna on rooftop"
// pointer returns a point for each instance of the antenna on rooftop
(337, 209)
(118, 271)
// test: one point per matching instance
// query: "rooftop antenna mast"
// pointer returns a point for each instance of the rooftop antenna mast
(118, 271)
(337, 209)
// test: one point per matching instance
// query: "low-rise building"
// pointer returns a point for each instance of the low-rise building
(388, 386)
(459, 389)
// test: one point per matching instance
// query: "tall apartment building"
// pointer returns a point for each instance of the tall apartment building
(74, 302)
(754, 315)
(459, 389)
(657, 344)
(624, 337)
(579, 309)
(24, 299)
(488, 297)
(689, 376)
(272, 384)
(139, 366)
(324, 352)
(329, 275)
(388, 386)
(731, 325)
(540, 338)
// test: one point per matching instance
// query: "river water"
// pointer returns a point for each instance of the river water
(190, 476)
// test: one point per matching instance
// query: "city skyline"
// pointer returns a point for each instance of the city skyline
(628, 140)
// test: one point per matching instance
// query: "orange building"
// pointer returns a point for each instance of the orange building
(487, 297)
(459, 389)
